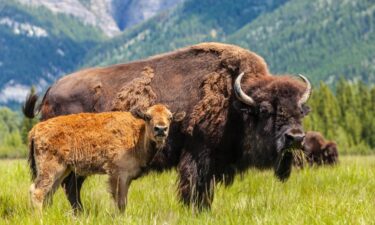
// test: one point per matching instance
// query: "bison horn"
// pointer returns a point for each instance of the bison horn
(307, 93)
(240, 93)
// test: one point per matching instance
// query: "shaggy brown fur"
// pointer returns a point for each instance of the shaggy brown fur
(220, 135)
(210, 112)
(172, 78)
(318, 150)
(116, 143)
(138, 93)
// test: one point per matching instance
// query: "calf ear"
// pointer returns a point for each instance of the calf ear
(137, 113)
(177, 117)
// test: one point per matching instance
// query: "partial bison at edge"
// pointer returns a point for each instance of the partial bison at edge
(318, 151)
(238, 115)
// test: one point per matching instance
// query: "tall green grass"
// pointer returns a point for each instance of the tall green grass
(344, 194)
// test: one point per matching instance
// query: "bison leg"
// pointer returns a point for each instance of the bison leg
(196, 185)
(72, 185)
(119, 185)
(55, 186)
(47, 177)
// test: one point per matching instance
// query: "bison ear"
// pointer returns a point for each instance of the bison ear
(137, 113)
(177, 117)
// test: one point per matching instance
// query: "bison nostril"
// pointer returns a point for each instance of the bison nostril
(160, 129)
(299, 138)
(289, 137)
(295, 138)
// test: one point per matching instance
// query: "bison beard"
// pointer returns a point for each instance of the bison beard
(233, 122)
(283, 166)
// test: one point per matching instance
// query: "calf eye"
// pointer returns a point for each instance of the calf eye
(147, 117)
(245, 110)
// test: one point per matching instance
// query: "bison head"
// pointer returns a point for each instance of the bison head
(330, 153)
(158, 119)
(272, 109)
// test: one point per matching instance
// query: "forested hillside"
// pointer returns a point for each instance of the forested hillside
(194, 21)
(110, 16)
(346, 115)
(36, 46)
(11, 144)
(322, 39)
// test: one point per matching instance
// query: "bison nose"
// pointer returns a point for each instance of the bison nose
(294, 138)
(160, 130)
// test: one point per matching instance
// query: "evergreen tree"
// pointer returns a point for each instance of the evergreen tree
(347, 116)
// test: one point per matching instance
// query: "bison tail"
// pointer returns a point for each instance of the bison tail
(31, 159)
(28, 108)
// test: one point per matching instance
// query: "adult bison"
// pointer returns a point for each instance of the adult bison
(238, 114)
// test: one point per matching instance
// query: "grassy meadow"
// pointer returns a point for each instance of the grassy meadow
(344, 194)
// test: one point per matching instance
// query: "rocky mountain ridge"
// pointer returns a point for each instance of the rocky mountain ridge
(111, 16)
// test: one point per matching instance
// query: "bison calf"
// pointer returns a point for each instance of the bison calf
(318, 151)
(119, 144)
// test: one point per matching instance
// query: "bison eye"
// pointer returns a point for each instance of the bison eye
(245, 110)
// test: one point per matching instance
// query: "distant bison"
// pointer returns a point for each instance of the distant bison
(115, 143)
(318, 151)
(238, 114)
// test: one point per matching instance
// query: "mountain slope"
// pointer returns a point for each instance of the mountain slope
(324, 39)
(111, 16)
(93, 12)
(128, 13)
(36, 46)
(191, 22)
